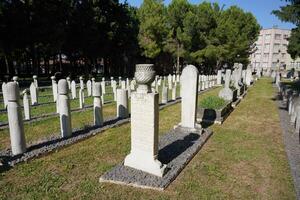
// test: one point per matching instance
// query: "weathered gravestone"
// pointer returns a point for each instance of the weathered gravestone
(15, 121)
(144, 127)
(64, 109)
(226, 93)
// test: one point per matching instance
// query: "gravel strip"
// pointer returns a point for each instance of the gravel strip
(176, 150)
(292, 145)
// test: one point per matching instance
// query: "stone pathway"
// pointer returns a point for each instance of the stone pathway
(292, 145)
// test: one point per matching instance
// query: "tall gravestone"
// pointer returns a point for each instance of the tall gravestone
(26, 104)
(33, 94)
(122, 103)
(35, 81)
(114, 88)
(103, 86)
(98, 113)
(89, 87)
(4, 93)
(174, 91)
(15, 121)
(81, 94)
(64, 109)
(248, 76)
(93, 84)
(73, 89)
(226, 93)
(219, 77)
(54, 88)
(144, 127)
(189, 88)
(164, 96)
(69, 82)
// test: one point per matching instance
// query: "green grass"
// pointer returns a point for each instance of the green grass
(244, 159)
(212, 102)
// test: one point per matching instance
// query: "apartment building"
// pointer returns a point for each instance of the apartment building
(271, 50)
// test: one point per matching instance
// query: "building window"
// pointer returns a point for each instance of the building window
(267, 37)
(277, 36)
(267, 48)
(285, 36)
(276, 48)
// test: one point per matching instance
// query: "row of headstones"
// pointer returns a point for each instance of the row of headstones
(18, 143)
(237, 79)
(292, 99)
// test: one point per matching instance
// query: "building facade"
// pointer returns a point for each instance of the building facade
(271, 50)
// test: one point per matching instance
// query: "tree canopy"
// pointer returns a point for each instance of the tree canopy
(81, 36)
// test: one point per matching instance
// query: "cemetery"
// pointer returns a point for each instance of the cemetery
(106, 100)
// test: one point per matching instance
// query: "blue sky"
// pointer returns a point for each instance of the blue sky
(260, 8)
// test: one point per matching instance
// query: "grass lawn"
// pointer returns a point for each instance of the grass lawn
(244, 159)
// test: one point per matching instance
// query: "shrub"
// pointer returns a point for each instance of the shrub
(212, 102)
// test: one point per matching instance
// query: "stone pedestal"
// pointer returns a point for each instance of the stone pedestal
(98, 113)
(26, 104)
(144, 132)
(15, 121)
(122, 103)
(64, 109)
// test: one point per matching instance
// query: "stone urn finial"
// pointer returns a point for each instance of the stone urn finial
(144, 76)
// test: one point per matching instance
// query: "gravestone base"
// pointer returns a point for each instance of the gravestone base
(176, 150)
(236, 102)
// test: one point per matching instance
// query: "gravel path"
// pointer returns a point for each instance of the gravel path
(292, 145)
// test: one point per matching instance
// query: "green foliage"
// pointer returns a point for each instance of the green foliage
(153, 30)
(201, 34)
(212, 102)
(291, 13)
